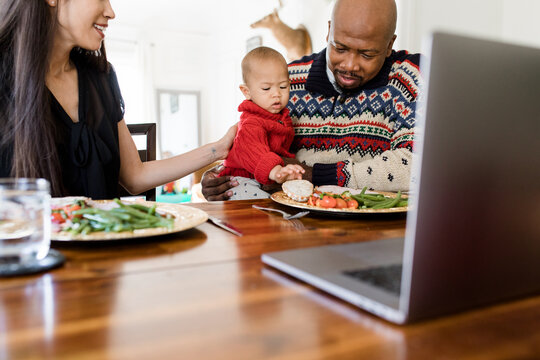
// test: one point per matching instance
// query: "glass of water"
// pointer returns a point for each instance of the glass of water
(25, 221)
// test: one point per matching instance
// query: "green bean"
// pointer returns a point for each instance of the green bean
(85, 211)
(140, 207)
(396, 200)
(120, 215)
(381, 204)
(102, 217)
(79, 226)
(143, 225)
(378, 201)
(96, 226)
(125, 217)
(118, 227)
(389, 202)
(86, 229)
(385, 204)
(140, 214)
(374, 197)
(403, 203)
(129, 212)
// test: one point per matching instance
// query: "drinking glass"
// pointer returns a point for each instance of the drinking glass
(25, 221)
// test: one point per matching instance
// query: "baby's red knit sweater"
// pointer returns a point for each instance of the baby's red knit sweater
(261, 140)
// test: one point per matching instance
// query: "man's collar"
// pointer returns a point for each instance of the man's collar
(331, 76)
(319, 78)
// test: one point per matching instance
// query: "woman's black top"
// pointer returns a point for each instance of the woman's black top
(88, 150)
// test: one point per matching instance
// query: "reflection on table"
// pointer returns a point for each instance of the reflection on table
(204, 294)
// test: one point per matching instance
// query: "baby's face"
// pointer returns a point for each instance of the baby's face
(268, 85)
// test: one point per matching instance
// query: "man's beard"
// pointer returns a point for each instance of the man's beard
(350, 75)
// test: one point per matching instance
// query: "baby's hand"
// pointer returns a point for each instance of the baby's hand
(281, 174)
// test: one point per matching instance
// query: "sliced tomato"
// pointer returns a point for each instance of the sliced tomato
(57, 218)
(328, 202)
(68, 209)
(352, 204)
(340, 203)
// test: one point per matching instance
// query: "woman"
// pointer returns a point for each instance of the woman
(61, 111)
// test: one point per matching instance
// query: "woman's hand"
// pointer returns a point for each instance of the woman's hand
(224, 144)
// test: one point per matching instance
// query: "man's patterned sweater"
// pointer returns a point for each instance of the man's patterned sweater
(357, 139)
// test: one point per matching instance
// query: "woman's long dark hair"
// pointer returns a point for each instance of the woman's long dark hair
(26, 123)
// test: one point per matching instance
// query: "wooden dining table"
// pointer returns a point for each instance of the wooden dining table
(204, 293)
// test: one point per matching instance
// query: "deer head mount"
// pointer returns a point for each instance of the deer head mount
(297, 41)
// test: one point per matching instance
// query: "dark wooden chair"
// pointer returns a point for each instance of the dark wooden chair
(148, 154)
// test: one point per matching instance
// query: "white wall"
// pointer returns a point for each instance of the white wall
(208, 60)
(521, 22)
(230, 48)
(515, 21)
(165, 60)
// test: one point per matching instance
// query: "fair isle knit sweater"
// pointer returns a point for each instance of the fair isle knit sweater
(357, 139)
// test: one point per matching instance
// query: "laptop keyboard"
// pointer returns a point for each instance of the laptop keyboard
(387, 277)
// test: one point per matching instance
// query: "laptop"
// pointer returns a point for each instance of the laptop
(473, 234)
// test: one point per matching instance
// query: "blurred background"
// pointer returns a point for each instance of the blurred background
(178, 61)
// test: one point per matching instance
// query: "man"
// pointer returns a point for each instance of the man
(352, 105)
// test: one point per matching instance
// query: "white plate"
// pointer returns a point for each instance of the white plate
(185, 217)
(283, 199)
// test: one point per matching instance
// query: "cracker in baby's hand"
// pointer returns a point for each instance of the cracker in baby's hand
(298, 190)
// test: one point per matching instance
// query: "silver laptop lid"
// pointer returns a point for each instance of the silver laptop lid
(475, 235)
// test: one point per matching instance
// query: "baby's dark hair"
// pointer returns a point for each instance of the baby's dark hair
(257, 54)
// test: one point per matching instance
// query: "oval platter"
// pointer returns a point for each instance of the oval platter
(185, 217)
(281, 198)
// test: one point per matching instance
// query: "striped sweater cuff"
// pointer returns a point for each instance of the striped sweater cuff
(330, 174)
(324, 174)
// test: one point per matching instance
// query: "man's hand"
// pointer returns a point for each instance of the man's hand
(216, 188)
(308, 169)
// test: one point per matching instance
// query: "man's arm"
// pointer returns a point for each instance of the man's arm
(389, 171)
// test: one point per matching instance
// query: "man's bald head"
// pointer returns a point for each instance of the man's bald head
(377, 15)
(360, 38)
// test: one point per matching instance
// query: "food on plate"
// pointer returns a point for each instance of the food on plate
(335, 189)
(350, 200)
(298, 190)
(84, 216)
(336, 197)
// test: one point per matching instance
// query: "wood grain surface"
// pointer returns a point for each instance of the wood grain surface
(204, 294)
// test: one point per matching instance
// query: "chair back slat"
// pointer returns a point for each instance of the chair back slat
(148, 154)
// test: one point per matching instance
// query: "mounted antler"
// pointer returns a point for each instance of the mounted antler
(297, 42)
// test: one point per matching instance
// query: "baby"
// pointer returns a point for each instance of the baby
(265, 132)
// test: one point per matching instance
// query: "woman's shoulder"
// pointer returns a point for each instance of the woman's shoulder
(99, 75)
